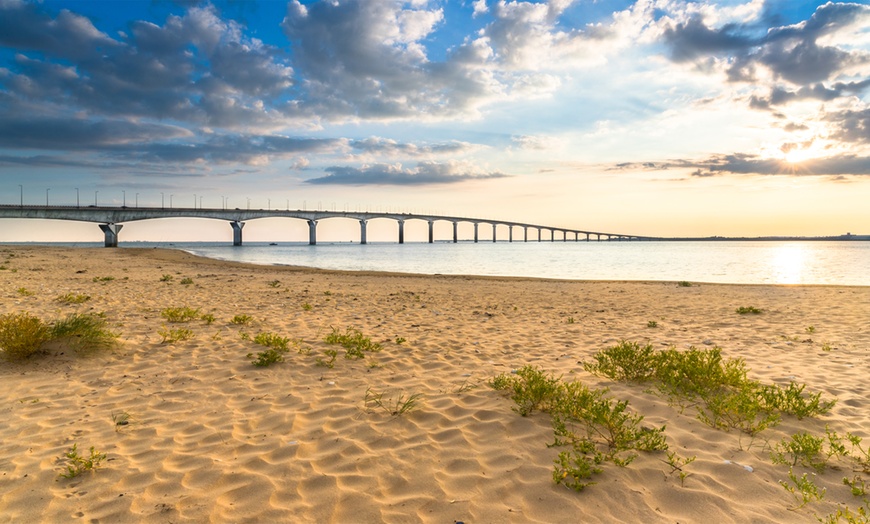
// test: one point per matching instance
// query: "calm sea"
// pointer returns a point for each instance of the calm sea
(814, 262)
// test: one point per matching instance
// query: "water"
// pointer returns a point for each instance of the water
(814, 262)
(786, 262)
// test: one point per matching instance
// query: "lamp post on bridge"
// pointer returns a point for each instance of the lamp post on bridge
(21, 189)
(170, 199)
(95, 198)
(77, 197)
(124, 198)
(46, 195)
(162, 201)
(194, 201)
(137, 200)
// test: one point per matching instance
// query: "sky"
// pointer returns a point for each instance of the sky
(646, 117)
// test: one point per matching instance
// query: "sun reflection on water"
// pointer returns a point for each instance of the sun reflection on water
(788, 263)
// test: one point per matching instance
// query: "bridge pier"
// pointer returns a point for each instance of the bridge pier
(552, 235)
(111, 232)
(312, 232)
(401, 231)
(510, 233)
(455, 232)
(525, 233)
(493, 231)
(475, 232)
(237, 232)
(362, 231)
(431, 231)
(539, 234)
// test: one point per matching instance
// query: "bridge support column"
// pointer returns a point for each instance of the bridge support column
(455, 232)
(312, 232)
(362, 231)
(510, 233)
(525, 234)
(493, 233)
(587, 237)
(237, 232)
(552, 235)
(539, 234)
(401, 231)
(431, 232)
(475, 232)
(564, 236)
(111, 232)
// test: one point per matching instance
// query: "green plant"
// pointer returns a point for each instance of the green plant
(186, 281)
(175, 335)
(826, 346)
(400, 340)
(121, 419)
(744, 310)
(856, 485)
(22, 335)
(24, 292)
(353, 341)
(803, 489)
(275, 283)
(331, 353)
(844, 514)
(208, 318)
(810, 330)
(627, 361)
(570, 320)
(306, 307)
(652, 324)
(166, 278)
(103, 279)
(242, 320)
(394, 406)
(684, 283)
(277, 347)
(180, 314)
(78, 464)
(800, 449)
(83, 332)
(73, 298)
(792, 401)
(530, 388)
(677, 464)
(574, 468)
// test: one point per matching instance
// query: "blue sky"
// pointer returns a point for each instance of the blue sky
(651, 117)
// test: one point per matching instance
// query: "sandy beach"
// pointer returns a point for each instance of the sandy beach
(212, 438)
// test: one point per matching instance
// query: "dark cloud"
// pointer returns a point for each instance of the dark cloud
(749, 164)
(79, 134)
(693, 40)
(851, 126)
(426, 173)
(386, 146)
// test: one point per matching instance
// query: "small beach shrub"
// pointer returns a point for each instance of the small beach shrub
(684, 283)
(78, 464)
(353, 341)
(306, 307)
(275, 283)
(810, 330)
(800, 449)
(748, 310)
(180, 314)
(73, 298)
(84, 332)
(327, 363)
(242, 320)
(652, 324)
(121, 420)
(395, 406)
(208, 318)
(857, 486)
(22, 335)
(173, 335)
(24, 292)
(844, 514)
(627, 361)
(103, 279)
(277, 347)
(803, 489)
(167, 278)
(186, 281)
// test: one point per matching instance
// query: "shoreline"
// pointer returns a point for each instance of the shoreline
(213, 437)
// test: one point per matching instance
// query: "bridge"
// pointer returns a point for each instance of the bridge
(111, 219)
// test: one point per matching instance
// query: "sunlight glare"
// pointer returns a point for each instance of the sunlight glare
(787, 263)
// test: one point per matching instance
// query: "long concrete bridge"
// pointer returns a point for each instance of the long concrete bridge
(111, 219)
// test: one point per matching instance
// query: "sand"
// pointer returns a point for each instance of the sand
(213, 438)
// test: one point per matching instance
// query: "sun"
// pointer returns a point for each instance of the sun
(798, 155)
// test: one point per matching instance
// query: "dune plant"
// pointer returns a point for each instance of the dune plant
(186, 281)
(394, 405)
(167, 278)
(276, 347)
(24, 292)
(22, 335)
(180, 314)
(103, 279)
(241, 320)
(803, 489)
(172, 335)
(748, 310)
(73, 298)
(78, 464)
(353, 341)
(84, 332)
(327, 363)
(531, 389)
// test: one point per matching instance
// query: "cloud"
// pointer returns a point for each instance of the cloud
(425, 173)
(79, 134)
(393, 148)
(750, 164)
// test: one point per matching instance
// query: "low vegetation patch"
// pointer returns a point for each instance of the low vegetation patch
(748, 310)
(78, 464)
(241, 320)
(395, 405)
(276, 347)
(356, 344)
(180, 314)
(23, 335)
(73, 298)
(596, 429)
(172, 335)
